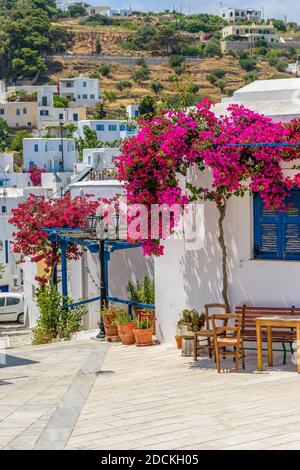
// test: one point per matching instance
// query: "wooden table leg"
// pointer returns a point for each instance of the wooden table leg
(298, 348)
(270, 349)
(259, 347)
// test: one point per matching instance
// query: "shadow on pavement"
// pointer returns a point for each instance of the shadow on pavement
(6, 360)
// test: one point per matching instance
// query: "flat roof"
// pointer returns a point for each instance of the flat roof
(268, 108)
(97, 183)
(271, 85)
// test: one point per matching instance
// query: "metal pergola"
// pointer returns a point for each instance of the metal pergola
(63, 237)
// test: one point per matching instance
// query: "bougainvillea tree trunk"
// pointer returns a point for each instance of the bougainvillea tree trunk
(222, 213)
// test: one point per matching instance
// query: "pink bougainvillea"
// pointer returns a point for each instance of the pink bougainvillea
(36, 175)
(167, 146)
(36, 213)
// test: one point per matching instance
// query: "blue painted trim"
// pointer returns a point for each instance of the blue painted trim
(280, 219)
(6, 252)
(63, 248)
(83, 302)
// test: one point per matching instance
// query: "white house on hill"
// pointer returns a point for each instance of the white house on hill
(49, 154)
(82, 91)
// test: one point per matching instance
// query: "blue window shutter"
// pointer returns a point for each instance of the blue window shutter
(6, 252)
(267, 231)
(291, 227)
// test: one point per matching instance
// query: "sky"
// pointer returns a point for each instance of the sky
(273, 8)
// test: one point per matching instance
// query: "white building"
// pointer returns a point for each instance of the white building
(132, 111)
(64, 5)
(82, 91)
(237, 14)
(277, 99)
(49, 115)
(51, 154)
(107, 11)
(99, 158)
(108, 130)
(251, 33)
(11, 279)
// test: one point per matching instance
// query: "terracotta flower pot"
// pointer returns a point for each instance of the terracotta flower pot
(126, 333)
(144, 313)
(143, 337)
(179, 341)
(110, 328)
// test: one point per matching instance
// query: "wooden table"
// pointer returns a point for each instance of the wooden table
(275, 322)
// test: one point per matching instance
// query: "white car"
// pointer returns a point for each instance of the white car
(11, 307)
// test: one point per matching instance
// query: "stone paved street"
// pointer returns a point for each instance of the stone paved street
(89, 395)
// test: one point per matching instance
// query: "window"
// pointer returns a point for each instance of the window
(36, 147)
(84, 97)
(4, 209)
(92, 97)
(277, 234)
(99, 127)
(112, 127)
(2, 112)
(60, 116)
(60, 148)
(44, 101)
(136, 113)
(18, 112)
(12, 301)
(79, 97)
(84, 84)
(75, 117)
(46, 148)
(2, 301)
(122, 127)
(44, 112)
(24, 110)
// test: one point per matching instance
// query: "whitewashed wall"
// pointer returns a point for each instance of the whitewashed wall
(190, 278)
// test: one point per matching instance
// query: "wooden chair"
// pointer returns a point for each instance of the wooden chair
(228, 336)
(207, 332)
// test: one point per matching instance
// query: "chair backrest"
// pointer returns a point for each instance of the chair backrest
(232, 324)
(208, 313)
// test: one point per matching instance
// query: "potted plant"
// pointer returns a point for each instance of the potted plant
(125, 326)
(143, 292)
(179, 335)
(191, 321)
(109, 320)
(143, 332)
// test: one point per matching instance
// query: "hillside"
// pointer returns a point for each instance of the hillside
(198, 35)
(196, 74)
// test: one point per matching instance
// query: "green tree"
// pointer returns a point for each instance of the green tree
(98, 48)
(156, 87)
(140, 74)
(147, 106)
(123, 84)
(89, 141)
(104, 70)
(176, 60)
(212, 48)
(100, 112)
(17, 141)
(5, 136)
(76, 10)
(27, 33)
(60, 102)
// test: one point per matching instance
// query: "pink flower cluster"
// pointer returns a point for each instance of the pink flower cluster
(167, 146)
